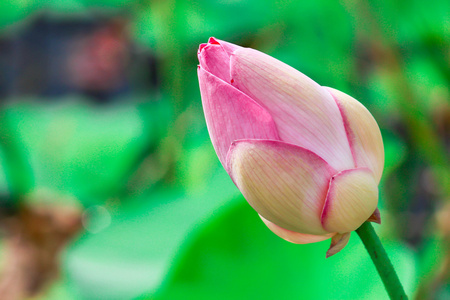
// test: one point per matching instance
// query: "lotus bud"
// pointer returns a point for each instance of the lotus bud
(307, 158)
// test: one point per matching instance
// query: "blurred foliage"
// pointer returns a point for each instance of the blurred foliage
(73, 145)
(163, 221)
(238, 254)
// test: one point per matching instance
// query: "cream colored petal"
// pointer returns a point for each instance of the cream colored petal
(363, 133)
(352, 198)
(295, 237)
(304, 112)
(284, 183)
(338, 242)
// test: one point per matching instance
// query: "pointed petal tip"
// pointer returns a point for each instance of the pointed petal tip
(338, 242)
(200, 48)
(213, 40)
(375, 217)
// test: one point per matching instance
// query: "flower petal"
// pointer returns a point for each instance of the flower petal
(305, 113)
(352, 198)
(295, 237)
(363, 133)
(231, 115)
(338, 242)
(284, 183)
(214, 57)
(228, 47)
(375, 217)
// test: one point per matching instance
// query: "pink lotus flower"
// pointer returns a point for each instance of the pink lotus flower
(307, 158)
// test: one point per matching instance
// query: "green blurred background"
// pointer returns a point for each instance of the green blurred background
(109, 185)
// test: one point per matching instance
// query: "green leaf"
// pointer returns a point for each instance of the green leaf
(214, 245)
(83, 150)
(134, 253)
(237, 257)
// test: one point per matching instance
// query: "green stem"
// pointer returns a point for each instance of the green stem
(381, 261)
